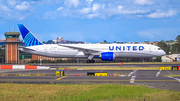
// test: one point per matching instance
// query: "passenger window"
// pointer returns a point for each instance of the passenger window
(159, 48)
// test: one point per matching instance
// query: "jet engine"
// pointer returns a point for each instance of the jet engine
(107, 56)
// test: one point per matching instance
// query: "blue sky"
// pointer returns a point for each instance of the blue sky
(94, 20)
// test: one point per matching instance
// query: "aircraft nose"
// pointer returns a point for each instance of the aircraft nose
(163, 52)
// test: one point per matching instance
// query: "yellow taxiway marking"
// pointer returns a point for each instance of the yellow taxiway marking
(61, 77)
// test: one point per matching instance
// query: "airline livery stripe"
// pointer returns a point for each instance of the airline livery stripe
(30, 40)
(27, 39)
(35, 42)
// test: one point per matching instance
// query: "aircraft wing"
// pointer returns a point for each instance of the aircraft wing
(22, 48)
(84, 50)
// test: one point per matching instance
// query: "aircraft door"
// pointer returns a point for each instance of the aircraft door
(150, 49)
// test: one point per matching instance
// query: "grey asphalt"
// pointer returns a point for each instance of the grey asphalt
(147, 78)
(91, 64)
(67, 72)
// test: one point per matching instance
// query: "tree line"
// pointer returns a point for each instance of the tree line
(170, 46)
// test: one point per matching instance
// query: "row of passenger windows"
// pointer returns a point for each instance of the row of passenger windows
(96, 49)
(66, 48)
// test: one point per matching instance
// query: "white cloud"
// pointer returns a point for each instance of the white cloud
(15, 10)
(21, 18)
(71, 3)
(96, 10)
(11, 2)
(4, 8)
(143, 2)
(58, 13)
(88, 2)
(92, 15)
(95, 7)
(133, 11)
(103, 6)
(60, 8)
(44, 2)
(15, 15)
(167, 14)
(24, 6)
(105, 10)
(85, 11)
(120, 10)
(120, 7)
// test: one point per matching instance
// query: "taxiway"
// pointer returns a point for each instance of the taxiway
(150, 78)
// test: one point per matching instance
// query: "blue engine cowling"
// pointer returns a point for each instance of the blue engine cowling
(107, 56)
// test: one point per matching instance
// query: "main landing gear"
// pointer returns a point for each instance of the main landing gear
(90, 57)
(90, 61)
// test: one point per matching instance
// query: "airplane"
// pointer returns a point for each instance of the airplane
(107, 52)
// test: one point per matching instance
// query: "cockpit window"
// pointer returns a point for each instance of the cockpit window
(159, 49)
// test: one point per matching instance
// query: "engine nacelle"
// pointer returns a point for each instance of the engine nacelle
(107, 56)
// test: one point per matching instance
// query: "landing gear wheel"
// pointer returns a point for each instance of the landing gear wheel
(88, 61)
(92, 61)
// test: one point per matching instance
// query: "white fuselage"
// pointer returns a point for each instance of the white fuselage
(120, 50)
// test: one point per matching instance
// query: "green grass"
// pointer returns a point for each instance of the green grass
(173, 75)
(83, 92)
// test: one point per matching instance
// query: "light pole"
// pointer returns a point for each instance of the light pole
(40, 61)
(3, 54)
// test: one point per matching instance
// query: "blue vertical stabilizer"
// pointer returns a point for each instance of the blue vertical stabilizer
(28, 37)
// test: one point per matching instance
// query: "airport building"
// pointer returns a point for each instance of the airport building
(12, 53)
(60, 40)
(11, 47)
(171, 58)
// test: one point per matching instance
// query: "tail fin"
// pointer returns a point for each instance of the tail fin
(29, 38)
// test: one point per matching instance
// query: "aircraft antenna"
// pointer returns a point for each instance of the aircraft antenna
(9, 26)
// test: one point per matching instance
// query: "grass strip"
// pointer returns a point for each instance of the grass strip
(83, 92)
(173, 75)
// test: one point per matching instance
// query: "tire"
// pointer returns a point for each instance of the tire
(88, 61)
(92, 61)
